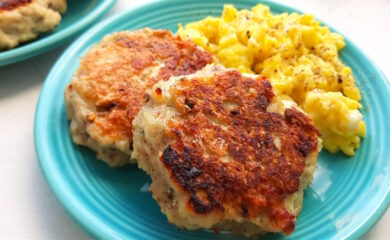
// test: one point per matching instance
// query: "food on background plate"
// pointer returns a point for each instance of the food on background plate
(107, 90)
(299, 56)
(24, 20)
(224, 152)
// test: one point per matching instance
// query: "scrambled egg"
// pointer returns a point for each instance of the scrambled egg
(299, 56)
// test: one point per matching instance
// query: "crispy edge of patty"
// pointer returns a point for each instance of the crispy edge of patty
(116, 73)
(77, 112)
(151, 138)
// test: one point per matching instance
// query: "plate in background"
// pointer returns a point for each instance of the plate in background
(347, 196)
(79, 16)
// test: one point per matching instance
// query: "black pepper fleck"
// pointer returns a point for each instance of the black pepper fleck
(339, 79)
(171, 193)
(146, 98)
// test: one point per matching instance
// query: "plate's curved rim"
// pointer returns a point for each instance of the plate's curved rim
(75, 210)
(49, 42)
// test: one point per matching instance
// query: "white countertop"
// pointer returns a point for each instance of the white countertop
(28, 209)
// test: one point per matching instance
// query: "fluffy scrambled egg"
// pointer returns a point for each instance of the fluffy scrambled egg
(299, 56)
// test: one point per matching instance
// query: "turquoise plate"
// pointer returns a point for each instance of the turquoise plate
(79, 16)
(347, 197)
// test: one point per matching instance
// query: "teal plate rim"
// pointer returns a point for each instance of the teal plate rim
(70, 203)
(53, 40)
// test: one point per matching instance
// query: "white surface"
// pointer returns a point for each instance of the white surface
(28, 209)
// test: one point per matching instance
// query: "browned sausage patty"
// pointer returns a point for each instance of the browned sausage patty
(107, 91)
(224, 153)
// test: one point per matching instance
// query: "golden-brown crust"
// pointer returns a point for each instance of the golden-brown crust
(116, 84)
(224, 151)
(11, 4)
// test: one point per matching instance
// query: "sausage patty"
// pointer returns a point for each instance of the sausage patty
(107, 91)
(224, 152)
